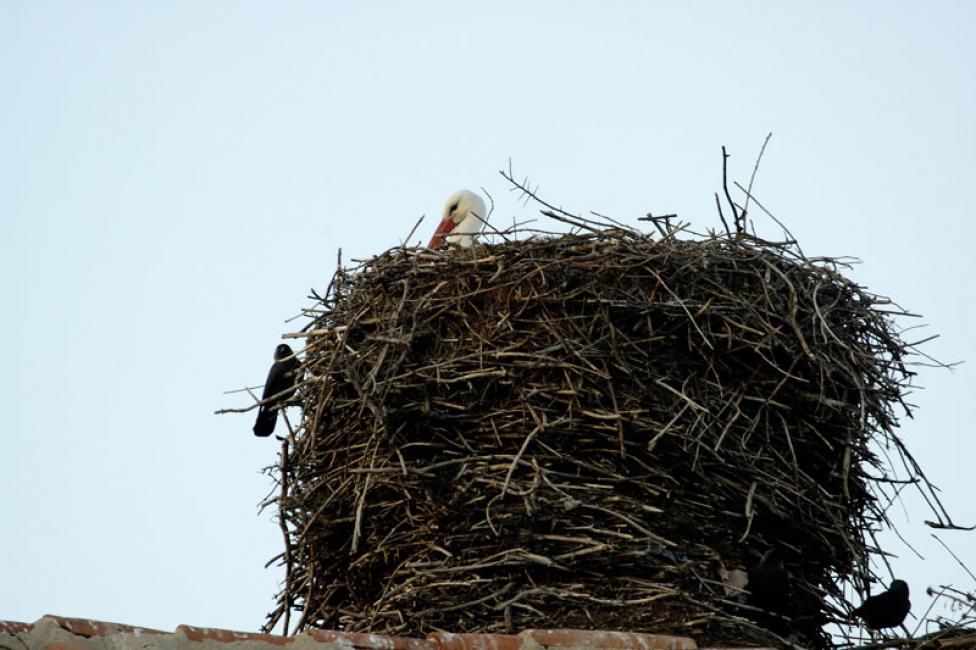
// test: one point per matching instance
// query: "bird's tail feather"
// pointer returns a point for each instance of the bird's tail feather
(264, 425)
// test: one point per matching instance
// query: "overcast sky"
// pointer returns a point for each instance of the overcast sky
(175, 176)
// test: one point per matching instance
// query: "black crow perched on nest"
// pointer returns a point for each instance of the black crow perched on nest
(281, 384)
(887, 609)
(769, 582)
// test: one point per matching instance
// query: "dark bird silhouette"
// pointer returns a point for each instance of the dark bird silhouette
(281, 382)
(887, 609)
(769, 582)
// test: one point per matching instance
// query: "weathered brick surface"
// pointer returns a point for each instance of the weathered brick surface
(89, 628)
(64, 645)
(609, 640)
(14, 627)
(229, 636)
(63, 633)
(450, 641)
(370, 641)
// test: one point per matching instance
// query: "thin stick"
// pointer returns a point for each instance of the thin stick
(739, 227)
(755, 170)
(282, 523)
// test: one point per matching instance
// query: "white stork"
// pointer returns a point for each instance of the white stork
(464, 216)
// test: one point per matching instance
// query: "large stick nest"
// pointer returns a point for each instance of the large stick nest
(587, 431)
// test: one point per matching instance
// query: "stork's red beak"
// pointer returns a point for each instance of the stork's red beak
(438, 241)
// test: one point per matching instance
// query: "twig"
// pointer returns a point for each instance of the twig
(755, 170)
(736, 217)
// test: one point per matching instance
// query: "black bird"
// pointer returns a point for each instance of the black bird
(769, 582)
(887, 609)
(282, 379)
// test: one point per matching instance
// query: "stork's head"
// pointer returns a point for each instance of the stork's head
(464, 216)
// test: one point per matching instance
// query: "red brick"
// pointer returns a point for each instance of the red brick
(14, 627)
(370, 641)
(449, 641)
(89, 628)
(230, 636)
(610, 640)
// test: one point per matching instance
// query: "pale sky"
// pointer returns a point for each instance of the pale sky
(175, 176)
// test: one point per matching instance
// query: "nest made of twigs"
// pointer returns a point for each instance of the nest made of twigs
(588, 431)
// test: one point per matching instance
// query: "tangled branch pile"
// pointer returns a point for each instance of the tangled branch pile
(587, 431)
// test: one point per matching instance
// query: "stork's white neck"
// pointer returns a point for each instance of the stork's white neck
(463, 233)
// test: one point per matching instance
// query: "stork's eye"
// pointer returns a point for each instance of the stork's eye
(454, 207)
